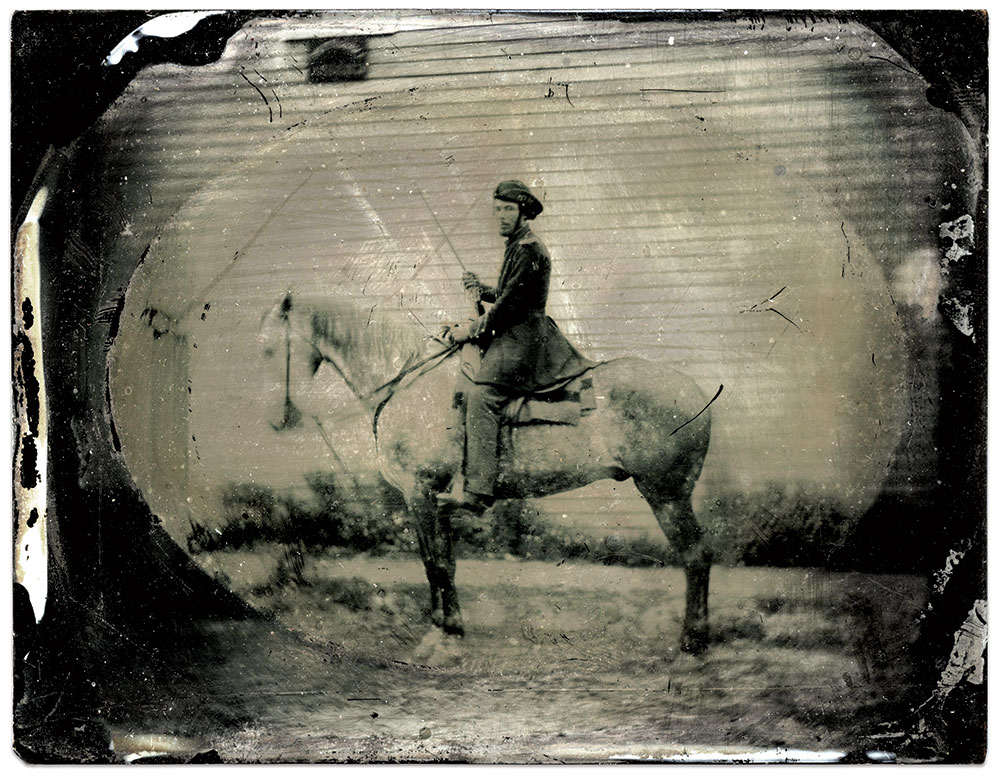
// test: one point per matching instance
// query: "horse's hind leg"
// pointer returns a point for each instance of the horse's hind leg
(676, 517)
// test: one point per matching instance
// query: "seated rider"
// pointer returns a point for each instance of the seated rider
(522, 348)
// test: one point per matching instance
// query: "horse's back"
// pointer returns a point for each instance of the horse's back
(651, 386)
(646, 421)
(660, 417)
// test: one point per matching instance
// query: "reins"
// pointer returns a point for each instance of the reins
(392, 384)
(442, 354)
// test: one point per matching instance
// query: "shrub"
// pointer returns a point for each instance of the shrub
(363, 518)
(354, 516)
(776, 526)
(511, 527)
(248, 512)
(639, 551)
(515, 527)
(354, 593)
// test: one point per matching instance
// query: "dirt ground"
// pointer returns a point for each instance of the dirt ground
(571, 662)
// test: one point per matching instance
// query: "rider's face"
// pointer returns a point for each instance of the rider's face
(508, 215)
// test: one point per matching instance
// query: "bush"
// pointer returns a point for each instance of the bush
(510, 527)
(777, 526)
(515, 527)
(359, 518)
(640, 551)
(363, 519)
(249, 516)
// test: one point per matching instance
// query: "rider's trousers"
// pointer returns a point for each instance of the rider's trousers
(484, 405)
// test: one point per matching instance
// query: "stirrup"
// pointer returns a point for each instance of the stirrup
(476, 503)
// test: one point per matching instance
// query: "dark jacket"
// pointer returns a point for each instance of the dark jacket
(523, 349)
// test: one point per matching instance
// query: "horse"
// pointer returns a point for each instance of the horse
(651, 424)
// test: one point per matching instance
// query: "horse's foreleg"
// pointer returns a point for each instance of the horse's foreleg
(437, 550)
(423, 532)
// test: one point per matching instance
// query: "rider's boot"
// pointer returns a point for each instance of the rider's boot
(460, 498)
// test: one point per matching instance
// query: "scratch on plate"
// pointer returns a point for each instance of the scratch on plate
(31, 457)
(967, 655)
(957, 239)
(960, 233)
(941, 577)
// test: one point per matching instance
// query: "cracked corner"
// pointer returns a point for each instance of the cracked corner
(967, 660)
(958, 237)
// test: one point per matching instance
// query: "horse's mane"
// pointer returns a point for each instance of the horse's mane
(368, 335)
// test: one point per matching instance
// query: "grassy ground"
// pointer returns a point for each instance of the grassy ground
(571, 661)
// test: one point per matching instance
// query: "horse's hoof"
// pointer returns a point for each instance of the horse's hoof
(454, 628)
(695, 643)
(437, 618)
(439, 650)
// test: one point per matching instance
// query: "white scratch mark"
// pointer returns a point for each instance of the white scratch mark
(958, 237)
(941, 577)
(168, 25)
(31, 550)
(961, 234)
(364, 203)
(777, 755)
(967, 656)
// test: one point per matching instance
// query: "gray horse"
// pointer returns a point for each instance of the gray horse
(651, 424)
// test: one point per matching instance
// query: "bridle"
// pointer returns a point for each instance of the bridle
(433, 360)
(292, 416)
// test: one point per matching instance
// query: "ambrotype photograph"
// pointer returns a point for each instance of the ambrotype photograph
(498, 387)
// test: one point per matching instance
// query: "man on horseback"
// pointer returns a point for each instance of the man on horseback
(522, 348)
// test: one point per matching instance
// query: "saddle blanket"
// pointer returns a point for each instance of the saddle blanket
(563, 403)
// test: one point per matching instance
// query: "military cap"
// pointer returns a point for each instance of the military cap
(515, 191)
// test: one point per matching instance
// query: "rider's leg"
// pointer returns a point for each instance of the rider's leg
(484, 406)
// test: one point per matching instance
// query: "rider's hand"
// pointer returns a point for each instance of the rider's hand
(479, 326)
(444, 335)
(459, 334)
(471, 282)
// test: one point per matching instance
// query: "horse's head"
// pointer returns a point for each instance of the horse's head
(276, 342)
(271, 332)
(363, 347)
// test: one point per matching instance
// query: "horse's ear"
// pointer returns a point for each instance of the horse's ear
(315, 361)
(286, 304)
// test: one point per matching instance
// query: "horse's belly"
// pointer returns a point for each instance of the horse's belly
(539, 459)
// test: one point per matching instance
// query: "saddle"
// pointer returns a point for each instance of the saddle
(562, 403)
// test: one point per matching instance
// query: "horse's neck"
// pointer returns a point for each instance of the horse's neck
(372, 357)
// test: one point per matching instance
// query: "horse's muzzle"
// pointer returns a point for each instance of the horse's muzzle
(291, 417)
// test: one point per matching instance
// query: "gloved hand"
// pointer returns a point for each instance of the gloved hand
(472, 284)
(443, 336)
(458, 334)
